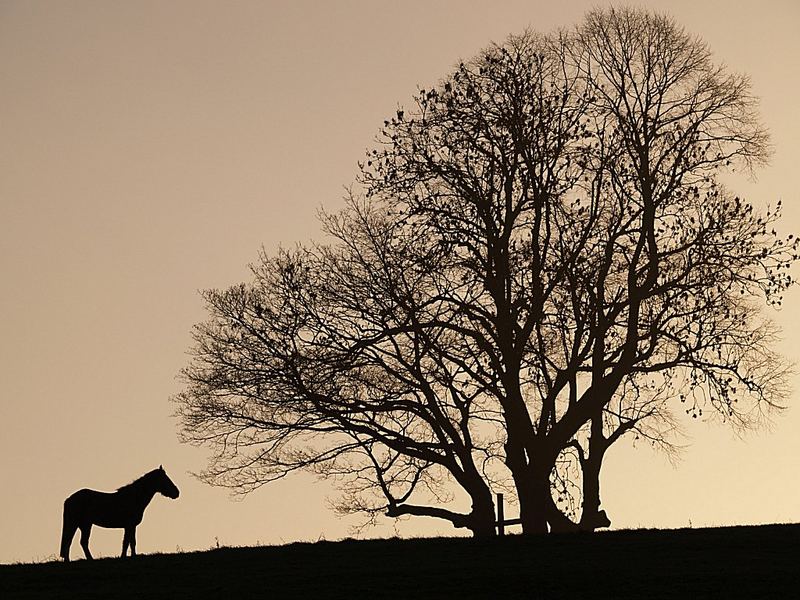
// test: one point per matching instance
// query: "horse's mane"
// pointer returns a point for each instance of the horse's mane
(136, 482)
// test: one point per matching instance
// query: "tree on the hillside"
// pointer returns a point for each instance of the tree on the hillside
(673, 287)
(543, 261)
(351, 359)
(321, 364)
(576, 179)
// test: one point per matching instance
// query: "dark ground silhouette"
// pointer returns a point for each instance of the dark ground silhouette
(734, 562)
(122, 509)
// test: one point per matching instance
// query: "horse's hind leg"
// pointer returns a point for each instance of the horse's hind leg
(85, 531)
(129, 539)
(68, 529)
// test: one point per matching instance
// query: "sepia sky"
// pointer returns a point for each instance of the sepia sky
(148, 149)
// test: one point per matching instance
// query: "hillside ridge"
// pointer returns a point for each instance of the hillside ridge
(757, 561)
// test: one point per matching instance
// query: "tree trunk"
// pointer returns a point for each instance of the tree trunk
(483, 528)
(559, 522)
(591, 493)
(534, 496)
(592, 517)
(482, 517)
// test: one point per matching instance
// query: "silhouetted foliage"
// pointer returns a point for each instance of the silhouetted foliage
(538, 260)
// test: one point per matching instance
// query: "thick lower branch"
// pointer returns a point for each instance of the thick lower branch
(459, 520)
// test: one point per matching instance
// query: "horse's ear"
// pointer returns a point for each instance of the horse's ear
(161, 467)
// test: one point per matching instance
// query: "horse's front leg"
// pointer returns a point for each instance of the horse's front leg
(85, 531)
(132, 540)
(125, 542)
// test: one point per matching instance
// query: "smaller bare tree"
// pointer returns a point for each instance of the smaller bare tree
(328, 362)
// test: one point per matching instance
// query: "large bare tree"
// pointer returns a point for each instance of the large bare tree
(577, 178)
(538, 260)
(674, 284)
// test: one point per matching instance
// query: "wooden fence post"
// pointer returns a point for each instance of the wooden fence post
(501, 524)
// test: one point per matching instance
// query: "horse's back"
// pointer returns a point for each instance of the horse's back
(84, 496)
(99, 508)
(80, 494)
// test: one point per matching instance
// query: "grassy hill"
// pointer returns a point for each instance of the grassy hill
(731, 562)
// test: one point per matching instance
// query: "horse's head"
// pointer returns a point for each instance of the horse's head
(164, 485)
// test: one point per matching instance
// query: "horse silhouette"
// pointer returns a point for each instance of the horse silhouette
(122, 509)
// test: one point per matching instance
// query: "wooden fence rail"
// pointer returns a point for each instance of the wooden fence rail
(502, 522)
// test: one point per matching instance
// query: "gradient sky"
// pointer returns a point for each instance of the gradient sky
(148, 149)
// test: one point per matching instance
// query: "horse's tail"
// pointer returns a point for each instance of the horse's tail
(68, 528)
